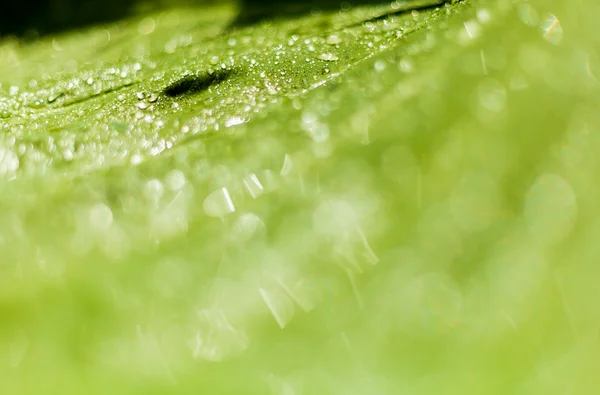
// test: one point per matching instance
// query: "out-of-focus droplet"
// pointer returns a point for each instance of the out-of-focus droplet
(492, 95)
(253, 185)
(484, 15)
(286, 169)
(245, 227)
(233, 121)
(101, 217)
(550, 209)
(334, 39)
(553, 31)
(175, 180)
(379, 65)
(216, 339)
(279, 305)
(153, 190)
(9, 162)
(116, 244)
(269, 180)
(335, 217)
(592, 65)
(365, 251)
(172, 219)
(146, 26)
(328, 57)
(304, 292)
(56, 45)
(218, 203)
(405, 65)
(528, 14)
(317, 130)
(471, 31)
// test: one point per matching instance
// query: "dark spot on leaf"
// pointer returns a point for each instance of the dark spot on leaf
(193, 84)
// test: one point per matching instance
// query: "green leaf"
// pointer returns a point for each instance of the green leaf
(381, 199)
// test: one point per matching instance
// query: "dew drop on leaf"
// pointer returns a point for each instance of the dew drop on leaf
(328, 57)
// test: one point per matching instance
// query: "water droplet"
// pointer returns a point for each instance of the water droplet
(271, 89)
(304, 292)
(483, 15)
(317, 130)
(246, 226)
(218, 204)
(153, 191)
(140, 95)
(216, 339)
(335, 217)
(136, 159)
(56, 45)
(528, 14)
(101, 217)
(334, 39)
(279, 305)
(214, 60)
(234, 121)
(142, 105)
(328, 57)
(253, 185)
(365, 250)
(492, 95)
(553, 31)
(406, 65)
(286, 169)
(472, 30)
(146, 26)
(175, 180)
(9, 162)
(152, 98)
